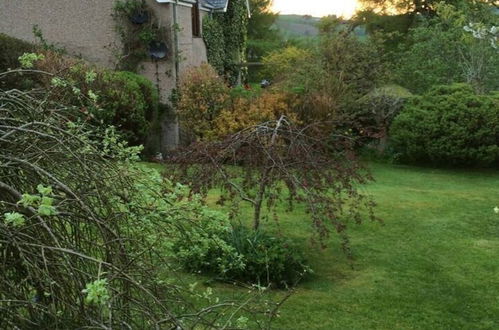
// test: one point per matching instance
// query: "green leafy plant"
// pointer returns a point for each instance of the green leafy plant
(439, 51)
(14, 218)
(213, 37)
(28, 60)
(96, 292)
(280, 64)
(208, 244)
(129, 7)
(12, 49)
(268, 260)
(327, 78)
(147, 36)
(43, 201)
(125, 100)
(199, 243)
(375, 111)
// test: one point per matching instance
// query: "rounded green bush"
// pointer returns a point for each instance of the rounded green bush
(130, 101)
(450, 125)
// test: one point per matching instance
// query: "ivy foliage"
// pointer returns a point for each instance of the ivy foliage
(213, 36)
(232, 28)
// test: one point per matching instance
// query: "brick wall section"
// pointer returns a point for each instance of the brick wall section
(83, 27)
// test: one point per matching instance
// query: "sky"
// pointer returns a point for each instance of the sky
(316, 7)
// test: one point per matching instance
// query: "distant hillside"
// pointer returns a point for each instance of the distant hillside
(299, 26)
(295, 26)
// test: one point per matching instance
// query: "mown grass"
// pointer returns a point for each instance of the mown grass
(432, 264)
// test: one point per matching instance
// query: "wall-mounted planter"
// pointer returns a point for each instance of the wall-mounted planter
(139, 17)
(158, 50)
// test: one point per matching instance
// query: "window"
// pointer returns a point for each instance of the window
(196, 22)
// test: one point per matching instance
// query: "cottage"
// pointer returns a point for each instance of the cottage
(90, 29)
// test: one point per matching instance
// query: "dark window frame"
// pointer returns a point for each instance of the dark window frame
(196, 21)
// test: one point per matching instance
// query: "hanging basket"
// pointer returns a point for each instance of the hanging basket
(158, 50)
(139, 17)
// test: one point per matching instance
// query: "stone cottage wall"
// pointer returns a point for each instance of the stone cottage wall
(86, 28)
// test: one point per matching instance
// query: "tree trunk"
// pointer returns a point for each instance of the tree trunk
(259, 198)
(256, 215)
(382, 141)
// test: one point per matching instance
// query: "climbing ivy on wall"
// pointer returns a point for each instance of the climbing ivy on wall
(138, 28)
(214, 39)
(225, 35)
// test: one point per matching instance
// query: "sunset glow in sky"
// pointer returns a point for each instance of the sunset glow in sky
(344, 8)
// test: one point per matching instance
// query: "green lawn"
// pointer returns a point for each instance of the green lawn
(433, 264)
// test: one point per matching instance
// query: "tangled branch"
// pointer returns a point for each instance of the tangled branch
(72, 254)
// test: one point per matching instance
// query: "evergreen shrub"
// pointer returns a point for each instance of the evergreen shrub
(449, 125)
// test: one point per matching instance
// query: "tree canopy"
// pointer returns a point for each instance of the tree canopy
(418, 6)
(261, 20)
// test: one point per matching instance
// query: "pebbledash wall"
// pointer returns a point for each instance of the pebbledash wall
(86, 28)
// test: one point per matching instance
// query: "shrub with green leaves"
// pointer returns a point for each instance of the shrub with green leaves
(281, 63)
(126, 100)
(199, 242)
(267, 259)
(193, 234)
(239, 254)
(440, 51)
(374, 112)
(130, 101)
(450, 125)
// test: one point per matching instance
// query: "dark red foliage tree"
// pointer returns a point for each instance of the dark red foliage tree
(277, 160)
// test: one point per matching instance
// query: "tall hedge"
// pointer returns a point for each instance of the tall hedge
(449, 125)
